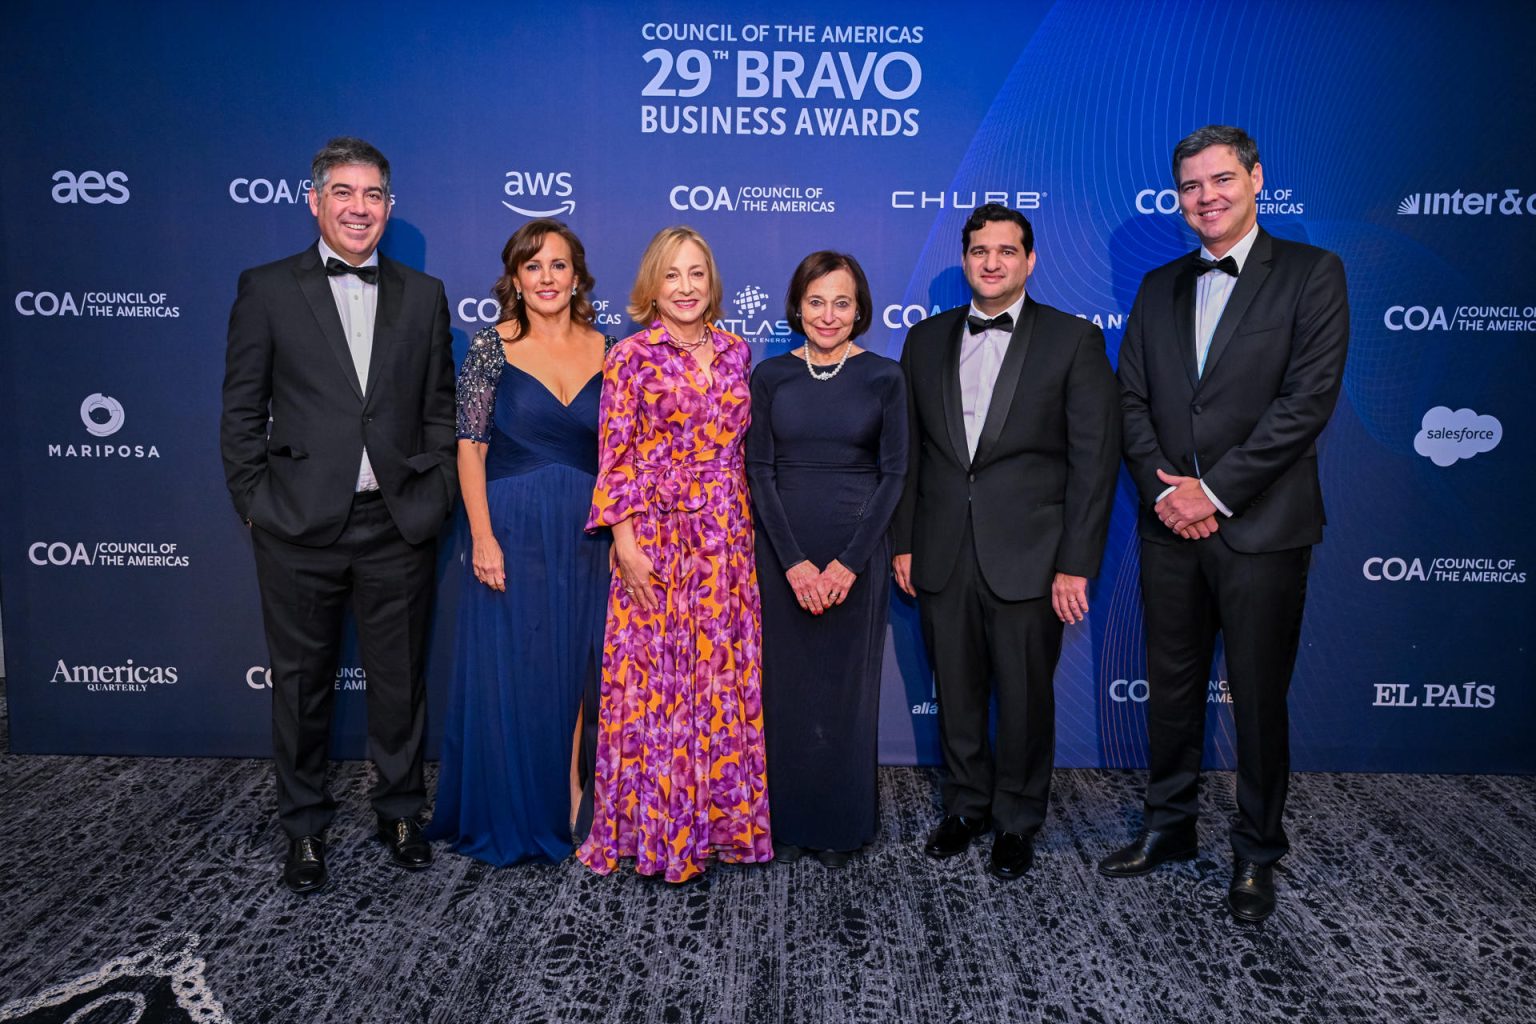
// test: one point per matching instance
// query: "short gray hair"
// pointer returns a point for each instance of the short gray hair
(1216, 135)
(343, 151)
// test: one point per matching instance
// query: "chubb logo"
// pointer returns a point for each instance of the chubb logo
(537, 191)
(92, 187)
(967, 199)
(102, 415)
(1446, 436)
(1508, 203)
(266, 190)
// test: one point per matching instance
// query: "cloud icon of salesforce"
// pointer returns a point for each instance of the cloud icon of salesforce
(1445, 436)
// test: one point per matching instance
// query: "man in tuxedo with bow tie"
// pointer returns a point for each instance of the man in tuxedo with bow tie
(1013, 412)
(338, 442)
(1230, 368)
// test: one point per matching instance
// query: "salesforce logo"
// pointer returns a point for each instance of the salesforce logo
(1446, 436)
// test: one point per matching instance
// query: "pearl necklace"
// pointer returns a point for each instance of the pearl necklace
(835, 370)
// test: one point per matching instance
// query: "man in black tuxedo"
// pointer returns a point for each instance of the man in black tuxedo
(338, 442)
(1230, 367)
(1015, 452)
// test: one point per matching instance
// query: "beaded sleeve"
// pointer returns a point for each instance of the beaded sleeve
(477, 386)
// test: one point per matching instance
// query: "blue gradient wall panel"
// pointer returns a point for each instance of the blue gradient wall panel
(154, 153)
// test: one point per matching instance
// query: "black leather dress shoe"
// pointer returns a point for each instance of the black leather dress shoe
(407, 846)
(833, 859)
(304, 870)
(787, 853)
(1251, 896)
(1012, 855)
(954, 835)
(1149, 849)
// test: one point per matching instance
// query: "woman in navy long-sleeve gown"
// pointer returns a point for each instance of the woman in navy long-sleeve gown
(826, 456)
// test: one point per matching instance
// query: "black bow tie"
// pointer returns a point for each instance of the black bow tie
(1001, 322)
(334, 266)
(1227, 265)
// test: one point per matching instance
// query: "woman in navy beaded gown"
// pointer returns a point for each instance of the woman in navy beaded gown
(530, 626)
(826, 457)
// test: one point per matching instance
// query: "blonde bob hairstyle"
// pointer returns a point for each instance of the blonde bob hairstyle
(653, 273)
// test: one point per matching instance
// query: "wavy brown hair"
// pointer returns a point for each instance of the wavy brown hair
(523, 246)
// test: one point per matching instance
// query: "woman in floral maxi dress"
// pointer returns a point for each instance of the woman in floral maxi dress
(680, 772)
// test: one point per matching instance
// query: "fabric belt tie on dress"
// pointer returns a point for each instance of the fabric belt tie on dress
(675, 485)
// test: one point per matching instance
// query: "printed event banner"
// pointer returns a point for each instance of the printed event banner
(153, 153)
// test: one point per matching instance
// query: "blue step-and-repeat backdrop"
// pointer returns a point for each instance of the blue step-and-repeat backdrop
(152, 151)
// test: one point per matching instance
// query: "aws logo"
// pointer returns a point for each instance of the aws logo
(91, 187)
(541, 193)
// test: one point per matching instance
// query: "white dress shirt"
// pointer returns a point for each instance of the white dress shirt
(981, 359)
(357, 302)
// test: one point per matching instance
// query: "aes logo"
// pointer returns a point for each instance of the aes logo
(91, 187)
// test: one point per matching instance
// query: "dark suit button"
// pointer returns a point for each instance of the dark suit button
(971, 477)
(367, 419)
(1197, 408)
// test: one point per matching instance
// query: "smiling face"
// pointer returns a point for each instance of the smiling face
(1218, 196)
(547, 279)
(684, 294)
(996, 265)
(828, 309)
(352, 209)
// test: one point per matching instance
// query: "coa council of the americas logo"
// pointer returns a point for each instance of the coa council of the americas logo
(102, 415)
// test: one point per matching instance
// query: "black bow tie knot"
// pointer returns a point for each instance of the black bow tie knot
(334, 266)
(1001, 322)
(1227, 265)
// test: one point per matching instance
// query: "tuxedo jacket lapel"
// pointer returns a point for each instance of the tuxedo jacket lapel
(317, 292)
(1248, 284)
(1184, 321)
(954, 413)
(1007, 381)
(386, 318)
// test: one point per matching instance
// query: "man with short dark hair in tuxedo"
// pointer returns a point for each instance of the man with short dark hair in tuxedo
(1014, 456)
(338, 442)
(1231, 364)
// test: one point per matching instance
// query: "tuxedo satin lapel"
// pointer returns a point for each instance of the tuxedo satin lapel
(317, 292)
(1248, 284)
(1007, 382)
(386, 319)
(954, 413)
(1184, 322)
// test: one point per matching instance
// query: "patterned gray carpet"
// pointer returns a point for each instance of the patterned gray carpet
(147, 890)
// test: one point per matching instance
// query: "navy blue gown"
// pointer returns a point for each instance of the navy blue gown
(826, 461)
(525, 657)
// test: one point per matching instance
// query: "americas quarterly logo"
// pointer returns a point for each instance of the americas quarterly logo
(1445, 436)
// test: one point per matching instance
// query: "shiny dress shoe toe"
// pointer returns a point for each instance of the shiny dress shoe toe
(833, 859)
(1251, 896)
(1149, 849)
(304, 870)
(954, 835)
(1012, 855)
(407, 846)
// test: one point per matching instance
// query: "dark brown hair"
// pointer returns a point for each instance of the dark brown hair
(523, 246)
(817, 266)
